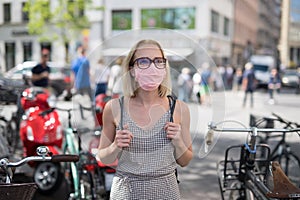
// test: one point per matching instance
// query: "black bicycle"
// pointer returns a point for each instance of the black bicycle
(281, 151)
(240, 175)
(25, 191)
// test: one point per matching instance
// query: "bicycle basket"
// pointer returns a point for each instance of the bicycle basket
(20, 191)
(231, 171)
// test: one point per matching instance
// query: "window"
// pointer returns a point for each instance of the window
(171, 18)
(27, 51)
(226, 26)
(10, 49)
(7, 12)
(121, 20)
(25, 15)
(214, 21)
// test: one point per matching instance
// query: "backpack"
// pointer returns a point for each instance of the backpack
(172, 103)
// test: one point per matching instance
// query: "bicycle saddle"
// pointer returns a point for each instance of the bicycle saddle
(283, 187)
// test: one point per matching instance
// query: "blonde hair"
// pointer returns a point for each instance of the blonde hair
(130, 85)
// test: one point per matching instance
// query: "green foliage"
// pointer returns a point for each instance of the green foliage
(62, 19)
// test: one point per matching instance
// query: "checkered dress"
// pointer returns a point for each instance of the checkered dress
(146, 168)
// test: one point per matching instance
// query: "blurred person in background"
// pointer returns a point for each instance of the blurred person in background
(102, 74)
(81, 74)
(196, 85)
(40, 73)
(185, 85)
(248, 83)
(206, 83)
(273, 85)
(115, 78)
(237, 79)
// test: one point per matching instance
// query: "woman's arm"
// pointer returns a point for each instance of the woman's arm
(108, 151)
(112, 141)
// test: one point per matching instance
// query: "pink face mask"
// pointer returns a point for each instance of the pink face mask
(149, 79)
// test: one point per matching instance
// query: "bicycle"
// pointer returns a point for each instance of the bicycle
(240, 177)
(83, 177)
(281, 152)
(10, 127)
(25, 191)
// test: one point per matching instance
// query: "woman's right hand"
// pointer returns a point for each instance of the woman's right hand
(123, 137)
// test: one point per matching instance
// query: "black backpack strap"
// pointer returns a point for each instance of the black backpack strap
(172, 103)
(121, 101)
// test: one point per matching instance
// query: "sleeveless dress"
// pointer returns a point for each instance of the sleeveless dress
(146, 168)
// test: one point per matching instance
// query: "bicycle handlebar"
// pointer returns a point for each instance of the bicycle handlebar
(55, 158)
(253, 130)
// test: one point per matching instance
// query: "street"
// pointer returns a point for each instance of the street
(199, 180)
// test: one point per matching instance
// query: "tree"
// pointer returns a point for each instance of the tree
(57, 20)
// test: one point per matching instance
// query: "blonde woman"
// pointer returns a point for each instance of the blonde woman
(137, 129)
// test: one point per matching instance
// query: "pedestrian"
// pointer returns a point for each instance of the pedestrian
(237, 79)
(102, 73)
(196, 85)
(206, 83)
(185, 85)
(138, 129)
(40, 72)
(81, 74)
(273, 85)
(248, 83)
(115, 78)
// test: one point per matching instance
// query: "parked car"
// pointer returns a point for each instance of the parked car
(291, 79)
(10, 89)
(59, 76)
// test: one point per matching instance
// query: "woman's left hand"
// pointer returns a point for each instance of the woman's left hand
(174, 132)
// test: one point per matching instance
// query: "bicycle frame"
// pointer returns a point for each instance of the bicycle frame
(248, 175)
(69, 147)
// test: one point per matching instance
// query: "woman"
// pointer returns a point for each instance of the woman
(148, 146)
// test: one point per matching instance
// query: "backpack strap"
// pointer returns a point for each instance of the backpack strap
(121, 101)
(172, 103)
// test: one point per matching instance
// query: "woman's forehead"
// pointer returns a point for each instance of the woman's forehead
(148, 49)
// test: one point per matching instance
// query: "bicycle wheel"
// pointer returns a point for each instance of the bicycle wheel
(86, 185)
(290, 164)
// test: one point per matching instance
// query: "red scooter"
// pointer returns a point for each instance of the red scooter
(41, 126)
(107, 171)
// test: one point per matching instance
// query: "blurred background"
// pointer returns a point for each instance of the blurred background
(230, 31)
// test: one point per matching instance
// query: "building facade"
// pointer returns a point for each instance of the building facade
(244, 37)
(221, 29)
(17, 46)
(206, 24)
(290, 37)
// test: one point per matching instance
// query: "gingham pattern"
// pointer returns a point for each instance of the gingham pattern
(146, 168)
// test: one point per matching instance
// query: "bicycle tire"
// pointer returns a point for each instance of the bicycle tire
(293, 162)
